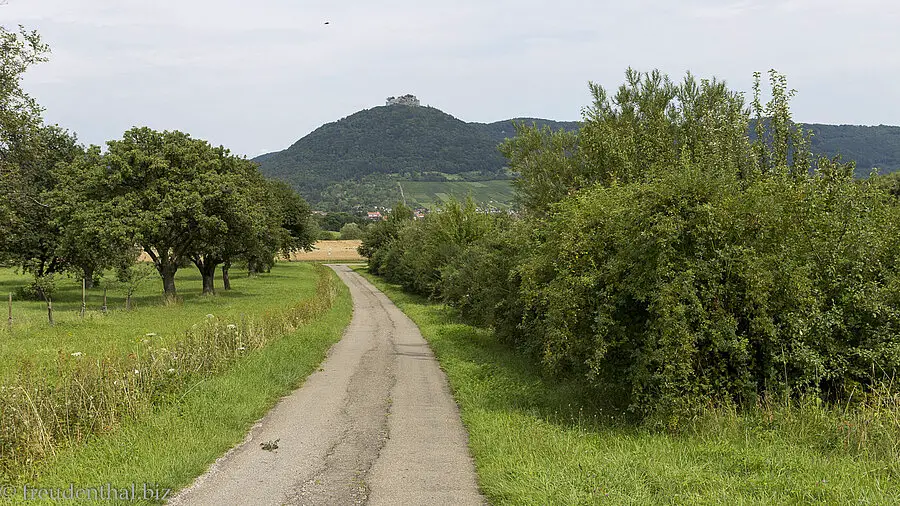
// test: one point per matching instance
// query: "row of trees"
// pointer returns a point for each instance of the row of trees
(67, 208)
(670, 259)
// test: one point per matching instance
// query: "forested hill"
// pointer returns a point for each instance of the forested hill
(501, 130)
(868, 146)
(358, 160)
(385, 140)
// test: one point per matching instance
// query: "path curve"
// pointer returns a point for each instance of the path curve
(376, 424)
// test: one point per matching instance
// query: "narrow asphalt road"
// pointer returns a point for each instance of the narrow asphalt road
(376, 424)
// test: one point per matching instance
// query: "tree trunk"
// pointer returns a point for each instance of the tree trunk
(207, 267)
(167, 272)
(226, 281)
(252, 267)
(88, 277)
(208, 281)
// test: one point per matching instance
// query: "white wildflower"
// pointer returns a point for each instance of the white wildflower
(231, 326)
(77, 354)
(150, 334)
(136, 371)
(171, 371)
(241, 348)
(210, 316)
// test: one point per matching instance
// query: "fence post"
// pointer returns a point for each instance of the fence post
(50, 310)
(83, 305)
(9, 307)
(104, 300)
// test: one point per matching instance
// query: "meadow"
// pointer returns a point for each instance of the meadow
(158, 392)
(31, 341)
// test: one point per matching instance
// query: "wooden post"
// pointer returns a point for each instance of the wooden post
(50, 310)
(9, 306)
(104, 300)
(83, 305)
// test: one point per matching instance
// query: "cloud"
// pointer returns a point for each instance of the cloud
(253, 74)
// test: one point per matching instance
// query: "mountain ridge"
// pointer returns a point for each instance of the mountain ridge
(372, 149)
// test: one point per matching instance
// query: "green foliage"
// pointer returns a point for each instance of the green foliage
(669, 258)
(335, 221)
(19, 123)
(413, 253)
(351, 231)
(382, 140)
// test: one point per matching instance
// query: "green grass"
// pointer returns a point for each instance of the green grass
(178, 441)
(540, 440)
(498, 193)
(32, 342)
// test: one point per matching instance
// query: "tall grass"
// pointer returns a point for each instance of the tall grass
(81, 398)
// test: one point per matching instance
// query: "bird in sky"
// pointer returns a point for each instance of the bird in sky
(328, 22)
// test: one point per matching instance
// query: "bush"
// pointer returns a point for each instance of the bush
(351, 232)
(690, 289)
(671, 260)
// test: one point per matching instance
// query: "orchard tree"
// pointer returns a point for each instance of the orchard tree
(94, 231)
(20, 120)
(34, 236)
(238, 217)
(163, 182)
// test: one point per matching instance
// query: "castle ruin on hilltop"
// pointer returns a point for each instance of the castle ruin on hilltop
(409, 100)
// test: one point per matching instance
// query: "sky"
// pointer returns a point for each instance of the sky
(255, 76)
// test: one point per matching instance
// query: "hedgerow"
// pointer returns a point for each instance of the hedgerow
(665, 255)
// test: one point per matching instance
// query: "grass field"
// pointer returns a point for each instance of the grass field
(177, 441)
(542, 441)
(32, 342)
(498, 193)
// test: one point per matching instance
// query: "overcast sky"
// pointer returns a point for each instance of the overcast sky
(257, 75)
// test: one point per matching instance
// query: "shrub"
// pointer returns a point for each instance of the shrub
(351, 231)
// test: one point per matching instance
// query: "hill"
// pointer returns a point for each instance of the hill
(869, 146)
(358, 161)
(395, 139)
(501, 130)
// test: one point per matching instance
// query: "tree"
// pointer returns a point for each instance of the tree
(166, 183)
(20, 119)
(351, 231)
(33, 236)
(94, 234)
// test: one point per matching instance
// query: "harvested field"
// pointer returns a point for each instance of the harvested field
(334, 251)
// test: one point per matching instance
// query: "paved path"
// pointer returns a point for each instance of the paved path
(375, 425)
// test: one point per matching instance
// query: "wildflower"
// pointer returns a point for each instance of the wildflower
(77, 354)
(241, 348)
(150, 334)
(231, 326)
(210, 316)
(136, 371)
(171, 371)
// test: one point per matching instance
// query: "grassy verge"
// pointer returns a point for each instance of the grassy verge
(175, 443)
(173, 440)
(538, 440)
